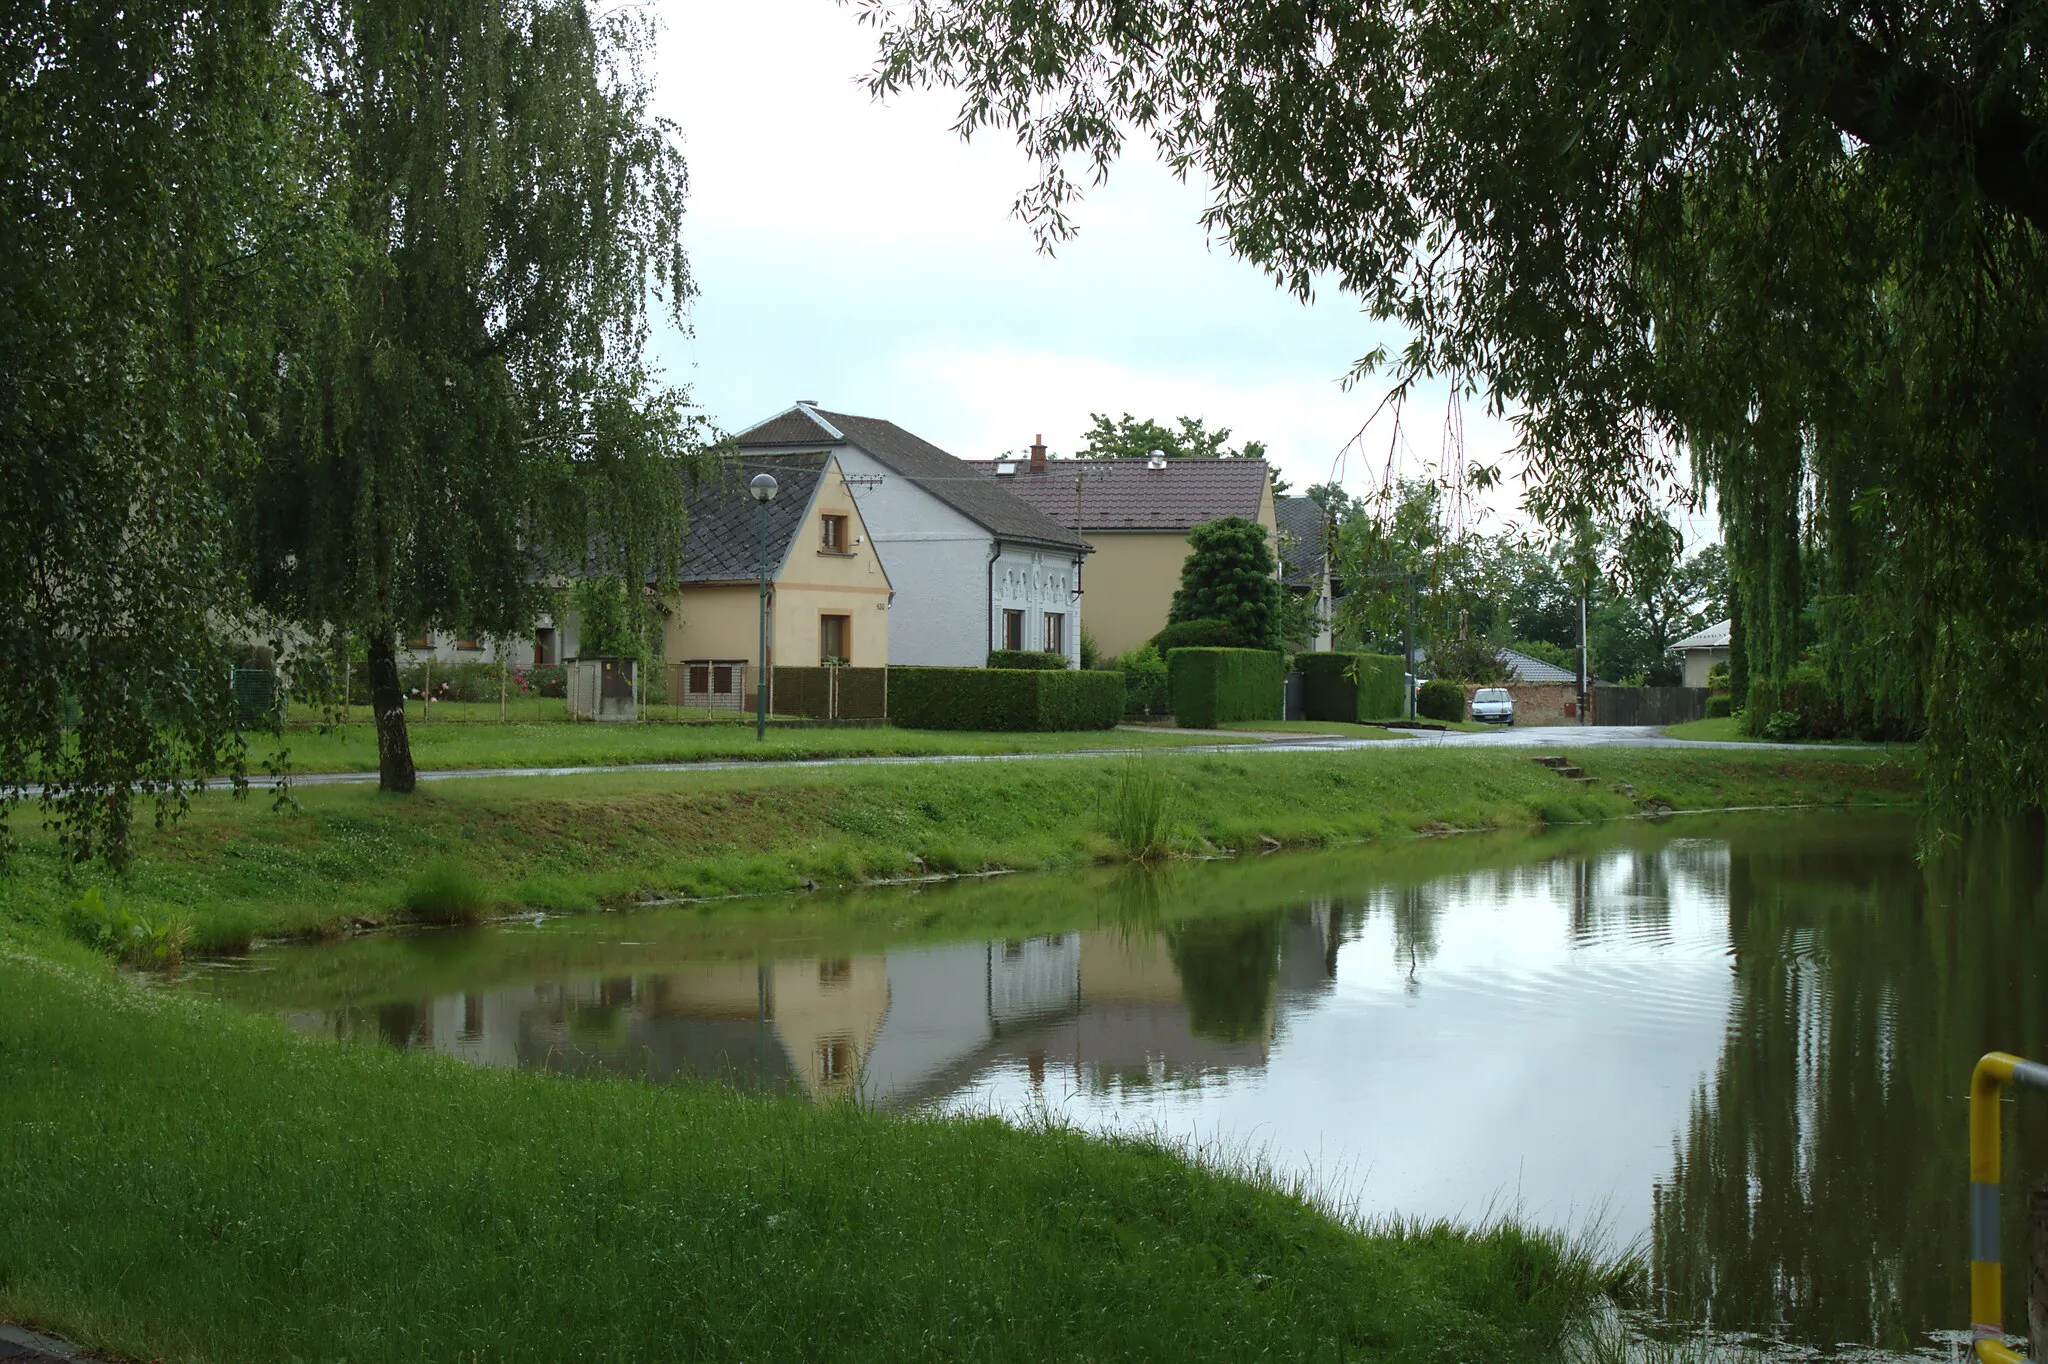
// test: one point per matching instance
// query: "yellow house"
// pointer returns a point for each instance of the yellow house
(1135, 516)
(828, 594)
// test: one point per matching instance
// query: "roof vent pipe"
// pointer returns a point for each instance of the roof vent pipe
(1156, 460)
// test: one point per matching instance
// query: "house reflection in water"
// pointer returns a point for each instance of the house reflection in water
(1092, 1011)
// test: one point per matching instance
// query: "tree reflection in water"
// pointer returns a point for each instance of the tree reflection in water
(1818, 1189)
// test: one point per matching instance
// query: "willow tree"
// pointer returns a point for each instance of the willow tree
(151, 159)
(470, 415)
(1803, 241)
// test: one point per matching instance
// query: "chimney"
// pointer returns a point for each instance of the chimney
(1038, 453)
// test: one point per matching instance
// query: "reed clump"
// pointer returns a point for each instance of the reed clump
(1140, 812)
(445, 891)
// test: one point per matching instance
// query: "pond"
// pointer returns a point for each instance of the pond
(1740, 1043)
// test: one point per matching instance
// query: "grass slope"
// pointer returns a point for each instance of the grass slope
(439, 746)
(234, 869)
(181, 1182)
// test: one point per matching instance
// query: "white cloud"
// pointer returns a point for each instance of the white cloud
(861, 254)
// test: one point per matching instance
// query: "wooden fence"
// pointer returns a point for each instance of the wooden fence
(1648, 705)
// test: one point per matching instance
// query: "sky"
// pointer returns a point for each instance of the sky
(859, 254)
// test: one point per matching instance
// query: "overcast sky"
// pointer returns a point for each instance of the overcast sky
(861, 255)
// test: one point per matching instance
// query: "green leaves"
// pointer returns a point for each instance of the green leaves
(1228, 576)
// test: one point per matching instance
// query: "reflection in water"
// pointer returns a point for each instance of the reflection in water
(1746, 1042)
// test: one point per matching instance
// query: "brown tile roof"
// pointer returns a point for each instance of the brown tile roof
(1127, 494)
(949, 478)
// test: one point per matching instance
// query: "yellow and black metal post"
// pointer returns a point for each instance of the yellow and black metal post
(1987, 1281)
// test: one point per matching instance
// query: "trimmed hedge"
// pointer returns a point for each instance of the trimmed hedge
(1199, 634)
(1351, 687)
(1041, 659)
(1440, 700)
(1211, 687)
(1004, 699)
(1720, 707)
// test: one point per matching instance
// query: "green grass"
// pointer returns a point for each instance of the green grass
(1337, 727)
(1728, 729)
(438, 746)
(179, 1181)
(234, 870)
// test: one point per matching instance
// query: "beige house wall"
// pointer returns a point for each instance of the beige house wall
(1131, 577)
(1699, 661)
(722, 620)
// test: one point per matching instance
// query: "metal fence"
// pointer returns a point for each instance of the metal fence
(1648, 705)
(835, 692)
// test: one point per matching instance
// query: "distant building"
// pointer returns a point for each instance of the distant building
(1702, 651)
(1136, 515)
(1305, 559)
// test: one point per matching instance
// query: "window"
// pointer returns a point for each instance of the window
(544, 647)
(835, 639)
(835, 534)
(836, 972)
(835, 1059)
(420, 642)
(470, 646)
(1055, 632)
(1013, 629)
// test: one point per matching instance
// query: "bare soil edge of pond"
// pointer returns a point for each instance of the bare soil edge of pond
(235, 872)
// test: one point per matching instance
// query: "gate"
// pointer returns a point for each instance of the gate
(832, 692)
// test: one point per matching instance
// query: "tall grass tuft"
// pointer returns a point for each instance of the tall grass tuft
(155, 940)
(445, 891)
(1140, 811)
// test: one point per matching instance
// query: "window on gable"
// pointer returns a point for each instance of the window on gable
(834, 535)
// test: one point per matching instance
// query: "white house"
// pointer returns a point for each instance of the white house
(974, 566)
(1702, 651)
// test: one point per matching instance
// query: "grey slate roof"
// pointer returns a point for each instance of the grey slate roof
(1713, 637)
(1527, 669)
(1128, 494)
(1303, 547)
(949, 478)
(723, 543)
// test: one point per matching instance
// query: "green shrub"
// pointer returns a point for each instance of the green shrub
(551, 681)
(1785, 726)
(1144, 673)
(140, 939)
(445, 892)
(1091, 652)
(1351, 687)
(1807, 694)
(1720, 707)
(1199, 634)
(1004, 699)
(1440, 700)
(1043, 660)
(1211, 687)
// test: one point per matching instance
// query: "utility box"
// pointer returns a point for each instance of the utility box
(604, 689)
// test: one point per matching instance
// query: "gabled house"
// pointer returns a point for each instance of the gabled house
(1305, 559)
(828, 593)
(1701, 651)
(1136, 515)
(974, 567)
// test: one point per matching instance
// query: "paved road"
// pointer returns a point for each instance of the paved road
(1561, 738)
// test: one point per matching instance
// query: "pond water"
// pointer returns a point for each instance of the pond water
(1740, 1043)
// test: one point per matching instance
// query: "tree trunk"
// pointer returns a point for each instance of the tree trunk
(2037, 1277)
(395, 771)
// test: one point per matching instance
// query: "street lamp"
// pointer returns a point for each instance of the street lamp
(762, 488)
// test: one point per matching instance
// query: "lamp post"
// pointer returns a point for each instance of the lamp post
(762, 488)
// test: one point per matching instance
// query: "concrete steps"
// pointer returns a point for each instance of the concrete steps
(1563, 767)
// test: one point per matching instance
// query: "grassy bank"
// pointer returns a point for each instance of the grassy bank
(182, 1182)
(234, 870)
(438, 746)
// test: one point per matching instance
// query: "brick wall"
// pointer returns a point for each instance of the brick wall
(1539, 703)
